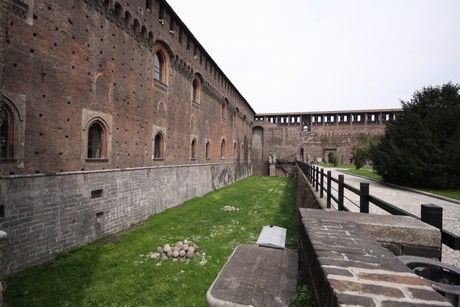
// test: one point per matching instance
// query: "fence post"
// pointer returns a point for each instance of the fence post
(321, 185)
(328, 192)
(363, 197)
(432, 214)
(340, 204)
(313, 176)
(317, 178)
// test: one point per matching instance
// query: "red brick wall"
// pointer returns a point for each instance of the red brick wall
(54, 64)
(286, 141)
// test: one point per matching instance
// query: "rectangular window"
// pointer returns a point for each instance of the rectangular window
(96, 194)
(2, 210)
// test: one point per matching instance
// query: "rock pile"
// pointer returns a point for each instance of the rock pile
(230, 209)
(180, 251)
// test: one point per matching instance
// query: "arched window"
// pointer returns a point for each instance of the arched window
(235, 151)
(208, 150)
(6, 133)
(95, 141)
(159, 69)
(222, 149)
(158, 146)
(196, 89)
(193, 150)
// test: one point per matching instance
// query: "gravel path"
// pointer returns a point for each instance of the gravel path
(409, 201)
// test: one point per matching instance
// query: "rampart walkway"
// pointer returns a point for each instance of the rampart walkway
(407, 200)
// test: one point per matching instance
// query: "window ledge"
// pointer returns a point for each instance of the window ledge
(158, 159)
(196, 104)
(94, 160)
(160, 86)
(8, 160)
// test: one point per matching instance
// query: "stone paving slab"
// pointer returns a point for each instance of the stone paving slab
(346, 266)
(387, 228)
(255, 276)
(410, 200)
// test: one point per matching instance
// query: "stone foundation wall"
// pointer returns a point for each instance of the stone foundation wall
(47, 214)
(345, 266)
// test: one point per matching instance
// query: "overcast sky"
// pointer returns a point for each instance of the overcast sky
(324, 55)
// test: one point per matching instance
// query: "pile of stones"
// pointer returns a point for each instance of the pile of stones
(230, 209)
(182, 250)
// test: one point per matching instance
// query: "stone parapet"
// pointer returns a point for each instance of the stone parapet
(402, 235)
(344, 265)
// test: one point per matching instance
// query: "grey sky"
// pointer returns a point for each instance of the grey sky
(322, 55)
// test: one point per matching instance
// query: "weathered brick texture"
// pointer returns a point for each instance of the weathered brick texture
(346, 266)
(42, 218)
(81, 59)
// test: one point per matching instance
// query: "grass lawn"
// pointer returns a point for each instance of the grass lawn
(120, 273)
(364, 172)
(454, 194)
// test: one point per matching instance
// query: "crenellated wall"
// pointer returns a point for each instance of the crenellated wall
(312, 136)
(76, 61)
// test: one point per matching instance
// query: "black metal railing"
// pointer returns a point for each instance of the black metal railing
(430, 213)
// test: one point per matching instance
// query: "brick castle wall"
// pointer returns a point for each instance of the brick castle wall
(65, 63)
(77, 60)
(290, 142)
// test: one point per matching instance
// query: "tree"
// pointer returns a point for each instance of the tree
(360, 152)
(332, 158)
(421, 148)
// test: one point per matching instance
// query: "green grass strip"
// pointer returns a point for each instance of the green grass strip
(120, 273)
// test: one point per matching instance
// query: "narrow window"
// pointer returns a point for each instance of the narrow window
(158, 146)
(95, 141)
(222, 149)
(235, 151)
(196, 91)
(158, 66)
(193, 150)
(208, 151)
(171, 25)
(224, 110)
(161, 15)
(6, 133)
(148, 5)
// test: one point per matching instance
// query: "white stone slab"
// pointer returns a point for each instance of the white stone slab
(272, 236)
